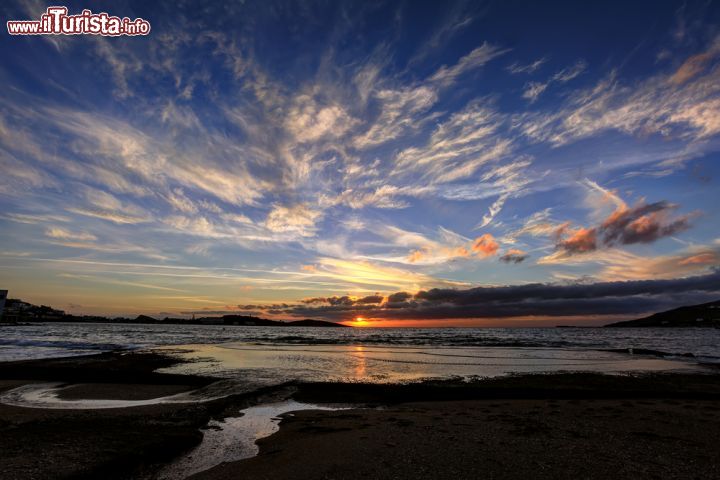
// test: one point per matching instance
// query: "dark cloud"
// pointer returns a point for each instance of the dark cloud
(339, 301)
(537, 299)
(344, 300)
(514, 256)
(643, 223)
(370, 299)
(582, 240)
(399, 297)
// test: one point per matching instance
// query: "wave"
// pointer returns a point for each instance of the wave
(64, 344)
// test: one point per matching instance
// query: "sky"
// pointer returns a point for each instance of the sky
(411, 163)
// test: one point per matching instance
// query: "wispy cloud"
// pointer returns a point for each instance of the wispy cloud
(517, 68)
(533, 90)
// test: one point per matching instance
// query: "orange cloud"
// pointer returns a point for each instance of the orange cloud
(419, 255)
(485, 245)
(581, 240)
(708, 258)
(695, 261)
(642, 223)
(690, 68)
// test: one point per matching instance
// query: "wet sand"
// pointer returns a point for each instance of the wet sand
(522, 439)
(532, 426)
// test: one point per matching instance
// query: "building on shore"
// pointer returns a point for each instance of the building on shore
(3, 296)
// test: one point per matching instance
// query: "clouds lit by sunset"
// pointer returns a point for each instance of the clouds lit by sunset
(398, 162)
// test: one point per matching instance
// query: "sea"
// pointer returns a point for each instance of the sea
(270, 355)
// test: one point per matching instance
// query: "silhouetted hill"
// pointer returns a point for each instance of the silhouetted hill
(313, 323)
(19, 311)
(263, 322)
(704, 315)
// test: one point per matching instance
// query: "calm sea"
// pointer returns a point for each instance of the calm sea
(271, 354)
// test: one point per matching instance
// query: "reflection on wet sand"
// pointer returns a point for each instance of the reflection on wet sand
(272, 364)
(361, 369)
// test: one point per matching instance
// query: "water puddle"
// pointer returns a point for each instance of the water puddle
(234, 438)
(47, 395)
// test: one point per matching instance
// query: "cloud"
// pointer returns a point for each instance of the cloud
(657, 105)
(536, 225)
(475, 59)
(400, 111)
(580, 240)
(384, 196)
(516, 68)
(600, 200)
(64, 234)
(569, 73)
(485, 245)
(179, 201)
(533, 90)
(493, 211)
(296, 220)
(458, 147)
(514, 255)
(695, 64)
(403, 109)
(346, 300)
(35, 218)
(103, 205)
(452, 246)
(536, 299)
(456, 19)
(705, 258)
(429, 255)
(693, 261)
(365, 273)
(309, 121)
(642, 223)
(398, 297)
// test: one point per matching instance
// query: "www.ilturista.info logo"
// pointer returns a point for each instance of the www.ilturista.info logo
(56, 21)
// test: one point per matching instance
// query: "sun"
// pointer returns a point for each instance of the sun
(360, 321)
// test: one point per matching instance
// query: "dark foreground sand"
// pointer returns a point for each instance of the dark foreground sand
(524, 439)
(108, 443)
(559, 426)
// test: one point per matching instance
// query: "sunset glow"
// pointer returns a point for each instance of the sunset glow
(419, 164)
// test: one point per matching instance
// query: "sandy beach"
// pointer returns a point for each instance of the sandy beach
(493, 439)
(543, 426)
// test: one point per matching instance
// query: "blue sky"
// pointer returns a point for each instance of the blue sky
(315, 158)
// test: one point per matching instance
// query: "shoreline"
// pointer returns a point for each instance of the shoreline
(138, 441)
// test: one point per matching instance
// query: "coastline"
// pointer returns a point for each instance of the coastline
(432, 429)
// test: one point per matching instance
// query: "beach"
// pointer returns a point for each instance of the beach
(563, 425)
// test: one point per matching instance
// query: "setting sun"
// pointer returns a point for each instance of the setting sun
(360, 321)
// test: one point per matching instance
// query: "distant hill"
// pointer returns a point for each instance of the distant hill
(263, 322)
(313, 323)
(19, 311)
(705, 315)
